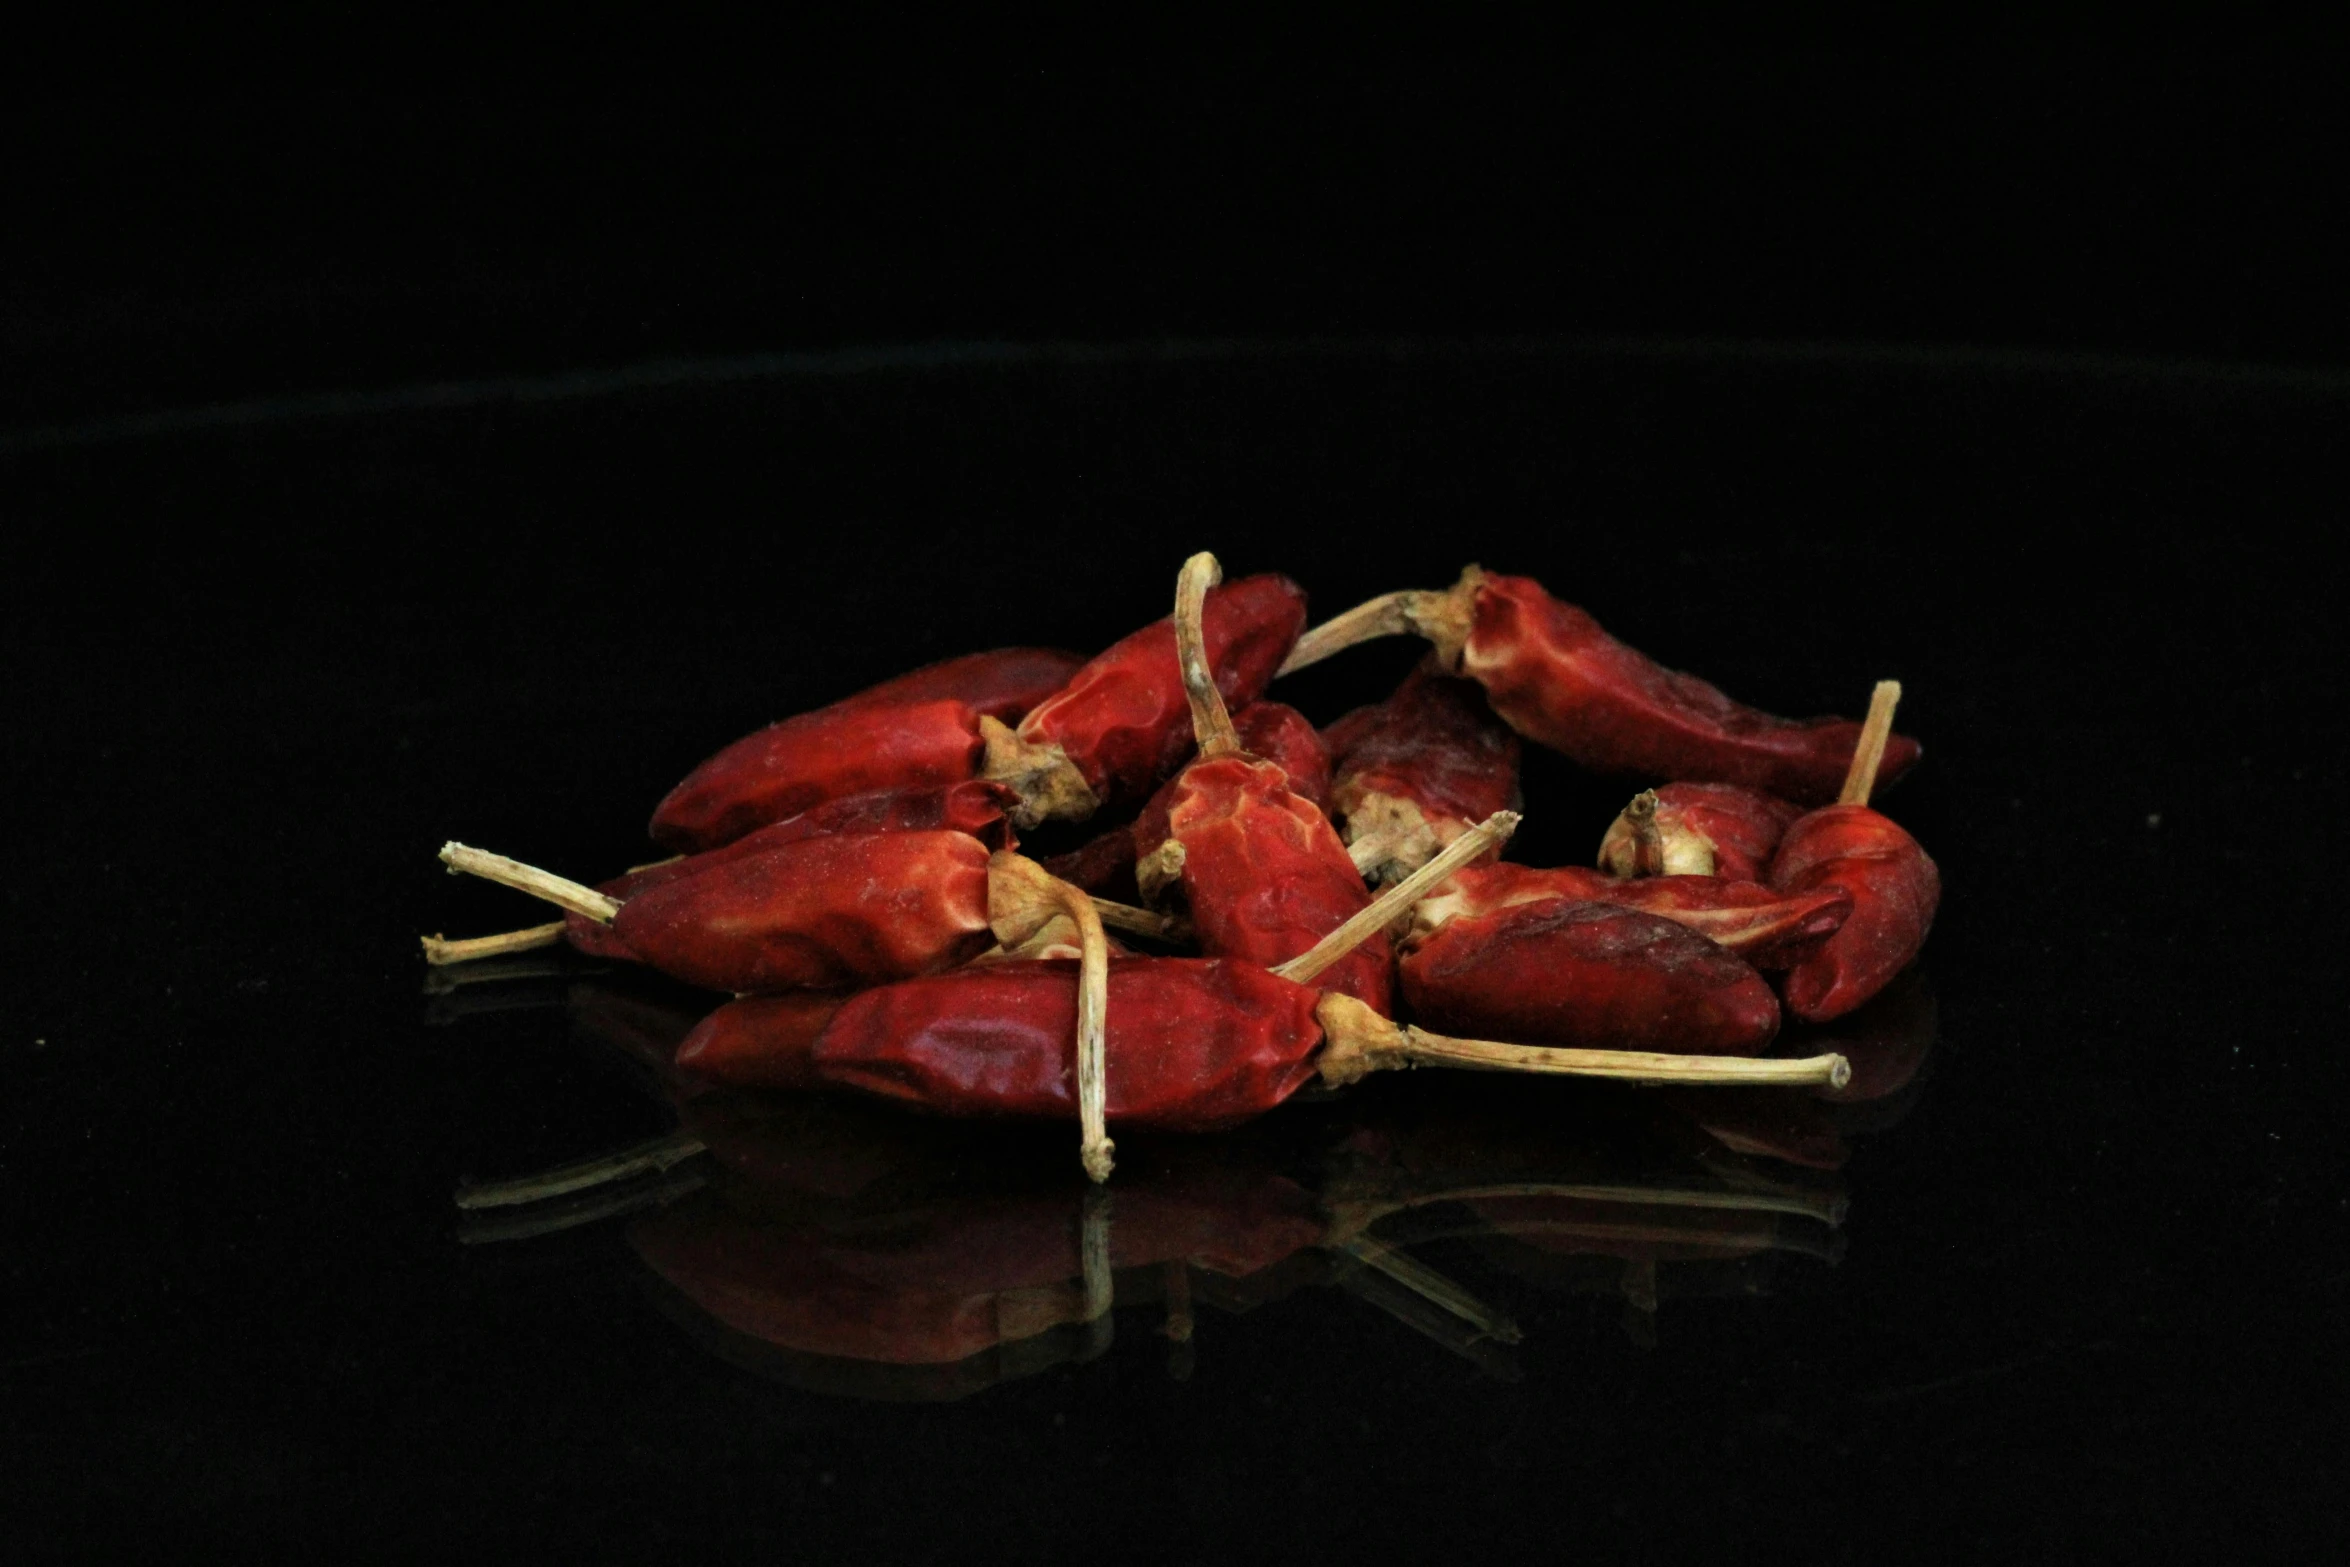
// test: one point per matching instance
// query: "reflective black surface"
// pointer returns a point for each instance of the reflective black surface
(2087, 1295)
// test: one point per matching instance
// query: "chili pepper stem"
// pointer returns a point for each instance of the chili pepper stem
(1142, 922)
(1211, 722)
(1868, 753)
(1442, 616)
(1397, 900)
(440, 951)
(1358, 1041)
(1022, 896)
(1648, 840)
(529, 878)
(1049, 785)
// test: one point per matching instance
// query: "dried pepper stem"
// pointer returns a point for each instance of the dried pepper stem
(1398, 900)
(1648, 840)
(1442, 616)
(1022, 896)
(440, 950)
(1868, 752)
(1211, 723)
(1358, 1041)
(540, 884)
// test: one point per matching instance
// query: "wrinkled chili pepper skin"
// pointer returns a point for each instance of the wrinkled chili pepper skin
(1003, 683)
(760, 1041)
(1767, 929)
(821, 913)
(1895, 889)
(1123, 719)
(1193, 1044)
(1278, 733)
(849, 748)
(1436, 744)
(1558, 679)
(1734, 827)
(1265, 877)
(1587, 975)
(973, 806)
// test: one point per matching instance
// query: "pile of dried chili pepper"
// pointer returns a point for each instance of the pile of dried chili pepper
(1297, 906)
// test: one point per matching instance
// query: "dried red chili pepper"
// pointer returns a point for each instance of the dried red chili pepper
(1588, 975)
(1764, 928)
(1262, 871)
(1104, 864)
(1122, 722)
(918, 731)
(1558, 679)
(1416, 771)
(1697, 829)
(816, 913)
(1895, 887)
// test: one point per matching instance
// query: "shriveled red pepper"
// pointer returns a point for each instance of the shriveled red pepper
(815, 913)
(1122, 722)
(1272, 731)
(1766, 929)
(1697, 829)
(918, 731)
(1588, 975)
(1558, 679)
(1895, 887)
(973, 807)
(1416, 771)
(1262, 871)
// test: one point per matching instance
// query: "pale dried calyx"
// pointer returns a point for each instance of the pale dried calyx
(1444, 616)
(1642, 841)
(1049, 785)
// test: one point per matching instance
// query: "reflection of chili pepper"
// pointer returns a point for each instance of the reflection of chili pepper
(972, 807)
(1558, 679)
(1588, 975)
(1416, 771)
(1262, 871)
(1765, 928)
(919, 731)
(1697, 829)
(1894, 887)
(1122, 722)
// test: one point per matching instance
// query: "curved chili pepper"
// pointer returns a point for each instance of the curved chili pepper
(1416, 771)
(1558, 679)
(1766, 929)
(1895, 887)
(1122, 723)
(972, 806)
(1263, 873)
(1697, 829)
(760, 1041)
(796, 765)
(1004, 682)
(1588, 975)
(1280, 734)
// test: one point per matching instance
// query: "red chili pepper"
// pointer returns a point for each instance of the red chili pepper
(1002, 683)
(1764, 928)
(760, 1041)
(818, 913)
(1416, 771)
(1104, 864)
(972, 806)
(1558, 679)
(1122, 722)
(1263, 873)
(1894, 886)
(1697, 829)
(1588, 975)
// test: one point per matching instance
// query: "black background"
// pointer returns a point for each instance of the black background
(380, 473)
